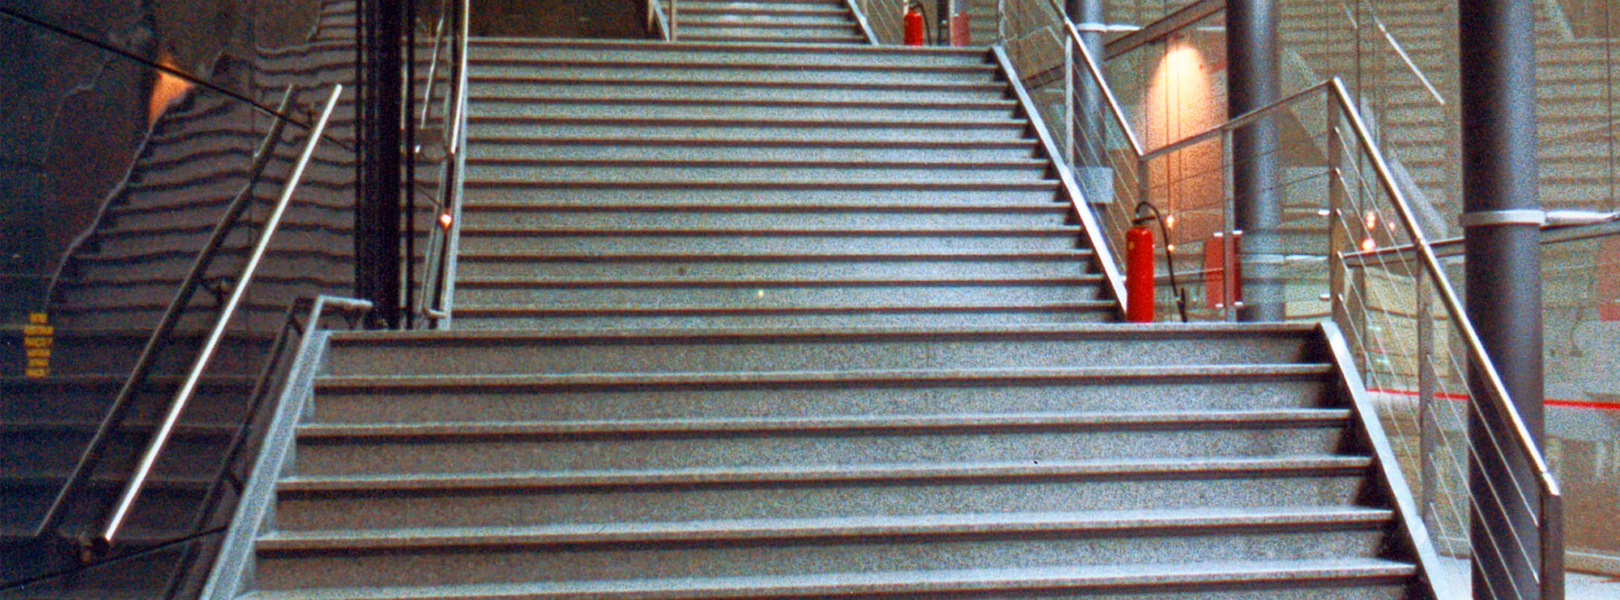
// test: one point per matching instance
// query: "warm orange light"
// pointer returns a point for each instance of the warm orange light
(1372, 220)
(166, 90)
(1368, 245)
(445, 221)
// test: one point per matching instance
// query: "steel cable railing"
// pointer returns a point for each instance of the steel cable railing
(1350, 207)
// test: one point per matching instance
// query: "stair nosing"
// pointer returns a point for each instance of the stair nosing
(895, 333)
(473, 311)
(1065, 421)
(835, 474)
(975, 581)
(809, 530)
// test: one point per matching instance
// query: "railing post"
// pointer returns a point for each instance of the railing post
(1425, 408)
(674, 27)
(1335, 215)
(1229, 238)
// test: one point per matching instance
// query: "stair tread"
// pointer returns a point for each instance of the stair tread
(780, 475)
(702, 335)
(754, 163)
(893, 527)
(761, 281)
(1110, 577)
(489, 97)
(654, 121)
(475, 311)
(385, 382)
(681, 257)
(478, 138)
(831, 424)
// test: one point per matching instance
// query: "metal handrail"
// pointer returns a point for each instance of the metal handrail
(1088, 220)
(435, 286)
(1549, 522)
(159, 439)
(860, 19)
(91, 456)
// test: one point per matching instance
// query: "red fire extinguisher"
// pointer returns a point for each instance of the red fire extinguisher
(916, 29)
(1139, 276)
(1139, 273)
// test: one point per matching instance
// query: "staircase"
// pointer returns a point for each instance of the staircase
(794, 321)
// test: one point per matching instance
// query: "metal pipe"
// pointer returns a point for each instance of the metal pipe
(132, 491)
(1235, 122)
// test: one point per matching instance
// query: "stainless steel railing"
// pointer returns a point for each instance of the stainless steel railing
(1350, 205)
(439, 261)
(132, 490)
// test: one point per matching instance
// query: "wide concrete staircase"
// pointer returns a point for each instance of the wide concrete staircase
(772, 321)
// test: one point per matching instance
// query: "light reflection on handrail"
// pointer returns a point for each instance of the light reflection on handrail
(160, 438)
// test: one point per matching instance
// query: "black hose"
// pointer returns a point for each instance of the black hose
(1169, 259)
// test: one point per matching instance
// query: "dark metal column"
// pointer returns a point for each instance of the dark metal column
(1501, 203)
(377, 216)
(1253, 82)
(1089, 107)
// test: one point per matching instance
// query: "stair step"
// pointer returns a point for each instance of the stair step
(825, 192)
(732, 73)
(1368, 579)
(917, 292)
(761, 240)
(697, 351)
(488, 555)
(819, 315)
(687, 52)
(805, 394)
(585, 107)
(627, 496)
(464, 447)
(760, 91)
(775, 36)
(777, 24)
(660, 148)
(793, 266)
(673, 171)
(772, 530)
(541, 129)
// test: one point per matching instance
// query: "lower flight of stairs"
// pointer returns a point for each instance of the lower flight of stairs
(981, 462)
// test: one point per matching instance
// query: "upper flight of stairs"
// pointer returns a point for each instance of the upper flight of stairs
(627, 185)
(775, 21)
(761, 321)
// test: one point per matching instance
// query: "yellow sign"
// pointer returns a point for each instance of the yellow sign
(38, 339)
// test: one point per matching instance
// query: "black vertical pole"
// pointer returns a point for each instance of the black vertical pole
(409, 158)
(1501, 217)
(362, 138)
(1253, 82)
(378, 220)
